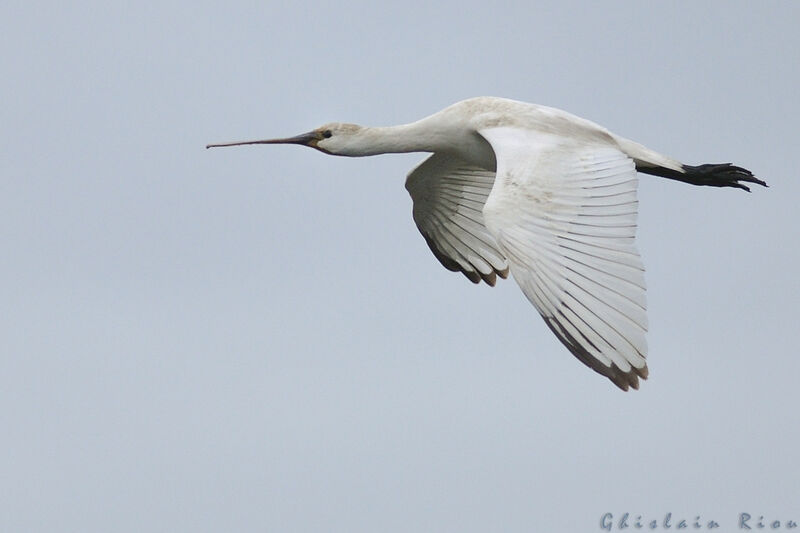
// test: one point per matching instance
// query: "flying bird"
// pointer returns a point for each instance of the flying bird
(541, 193)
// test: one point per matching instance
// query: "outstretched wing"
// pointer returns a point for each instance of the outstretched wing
(563, 211)
(448, 197)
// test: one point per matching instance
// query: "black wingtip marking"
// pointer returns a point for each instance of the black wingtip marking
(623, 380)
(710, 175)
(473, 275)
(490, 279)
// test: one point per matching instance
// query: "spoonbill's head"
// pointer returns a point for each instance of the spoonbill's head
(334, 138)
(337, 138)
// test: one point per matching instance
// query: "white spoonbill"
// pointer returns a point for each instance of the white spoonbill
(542, 193)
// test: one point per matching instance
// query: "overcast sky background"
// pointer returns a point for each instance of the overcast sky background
(258, 339)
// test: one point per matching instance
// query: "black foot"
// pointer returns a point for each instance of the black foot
(719, 175)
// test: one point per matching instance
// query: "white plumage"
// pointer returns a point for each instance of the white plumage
(546, 195)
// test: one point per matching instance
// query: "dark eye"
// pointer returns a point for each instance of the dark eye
(327, 134)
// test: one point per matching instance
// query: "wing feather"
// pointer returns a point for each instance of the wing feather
(564, 213)
(449, 196)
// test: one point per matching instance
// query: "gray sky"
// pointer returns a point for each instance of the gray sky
(258, 339)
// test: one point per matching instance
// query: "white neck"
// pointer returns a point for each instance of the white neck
(414, 137)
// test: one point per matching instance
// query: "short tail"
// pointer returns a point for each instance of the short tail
(712, 175)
